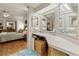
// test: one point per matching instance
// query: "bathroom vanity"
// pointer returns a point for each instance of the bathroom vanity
(61, 29)
(59, 42)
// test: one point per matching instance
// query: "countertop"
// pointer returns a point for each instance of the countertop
(61, 42)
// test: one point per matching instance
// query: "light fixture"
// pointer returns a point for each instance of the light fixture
(67, 7)
(6, 14)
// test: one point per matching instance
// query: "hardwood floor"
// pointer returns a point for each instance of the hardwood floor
(9, 48)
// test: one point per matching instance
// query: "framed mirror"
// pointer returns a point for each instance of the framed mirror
(68, 19)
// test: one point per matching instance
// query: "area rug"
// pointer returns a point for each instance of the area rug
(27, 52)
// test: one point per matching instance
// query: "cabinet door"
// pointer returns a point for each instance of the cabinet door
(40, 47)
(59, 53)
(51, 51)
(55, 52)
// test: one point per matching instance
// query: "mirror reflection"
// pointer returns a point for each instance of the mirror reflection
(63, 18)
(68, 18)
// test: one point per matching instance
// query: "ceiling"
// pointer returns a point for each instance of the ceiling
(16, 10)
(68, 8)
(19, 10)
(63, 8)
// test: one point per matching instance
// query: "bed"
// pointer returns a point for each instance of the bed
(8, 36)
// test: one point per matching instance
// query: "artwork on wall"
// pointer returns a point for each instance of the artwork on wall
(11, 24)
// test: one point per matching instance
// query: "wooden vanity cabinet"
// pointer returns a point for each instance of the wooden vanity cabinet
(55, 52)
(39, 46)
(51, 51)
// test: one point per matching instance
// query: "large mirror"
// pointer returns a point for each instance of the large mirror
(61, 19)
(68, 19)
(52, 19)
(39, 22)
